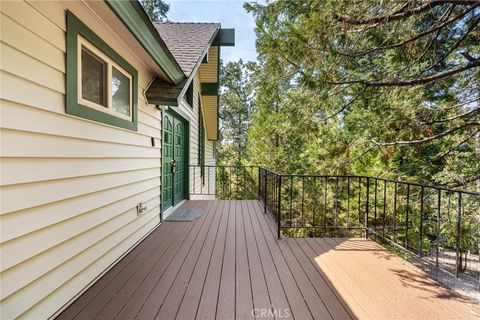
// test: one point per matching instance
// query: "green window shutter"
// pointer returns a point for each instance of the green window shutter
(201, 143)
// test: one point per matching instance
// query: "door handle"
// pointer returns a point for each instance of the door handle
(173, 165)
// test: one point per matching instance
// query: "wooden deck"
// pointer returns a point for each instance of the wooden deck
(228, 264)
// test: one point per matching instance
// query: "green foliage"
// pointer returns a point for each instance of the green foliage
(330, 97)
(236, 109)
(156, 9)
(378, 88)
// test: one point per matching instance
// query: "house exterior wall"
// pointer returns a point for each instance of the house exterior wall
(209, 74)
(194, 174)
(70, 186)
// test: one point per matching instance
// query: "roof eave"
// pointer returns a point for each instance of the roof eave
(134, 17)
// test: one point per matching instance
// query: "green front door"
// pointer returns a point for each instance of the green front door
(179, 157)
(173, 186)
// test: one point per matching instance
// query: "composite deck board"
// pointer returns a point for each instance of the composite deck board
(157, 296)
(195, 262)
(207, 306)
(113, 307)
(326, 293)
(229, 264)
(226, 294)
(355, 270)
(314, 301)
(260, 295)
(140, 295)
(329, 262)
(105, 295)
(243, 287)
(422, 287)
(298, 305)
(197, 284)
(342, 292)
(276, 292)
(97, 288)
(388, 290)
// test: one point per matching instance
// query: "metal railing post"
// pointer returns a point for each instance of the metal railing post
(395, 211)
(420, 232)
(459, 224)
(439, 206)
(290, 211)
(367, 208)
(279, 207)
(384, 206)
(359, 199)
(348, 200)
(406, 219)
(265, 190)
(375, 206)
(259, 186)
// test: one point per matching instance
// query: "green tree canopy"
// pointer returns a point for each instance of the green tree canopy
(236, 109)
(388, 88)
(156, 9)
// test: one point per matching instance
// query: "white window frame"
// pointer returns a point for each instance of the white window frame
(83, 43)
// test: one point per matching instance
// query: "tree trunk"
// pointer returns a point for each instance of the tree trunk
(477, 146)
(466, 260)
(460, 261)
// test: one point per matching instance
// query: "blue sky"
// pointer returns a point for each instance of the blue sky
(229, 13)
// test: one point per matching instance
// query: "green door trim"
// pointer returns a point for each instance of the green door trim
(179, 115)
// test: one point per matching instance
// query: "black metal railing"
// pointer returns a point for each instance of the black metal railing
(224, 182)
(437, 226)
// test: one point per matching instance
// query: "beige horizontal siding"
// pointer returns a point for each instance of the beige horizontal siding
(16, 62)
(206, 185)
(17, 143)
(113, 247)
(54, 123)
(40, 169)
(196, 185)
(23, 222)
(69, 186)
(33, 20)
(41, 288)
(17, 36)
(50, 247)
(209, 153)
(40, 193)
(192, 113)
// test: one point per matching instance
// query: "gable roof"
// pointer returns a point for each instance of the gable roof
(187, 41)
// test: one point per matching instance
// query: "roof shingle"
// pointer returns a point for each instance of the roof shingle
(187, 41)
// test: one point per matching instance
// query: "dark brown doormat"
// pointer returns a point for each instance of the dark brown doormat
(185, 214)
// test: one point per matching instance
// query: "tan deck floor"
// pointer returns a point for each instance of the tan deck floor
(228, 264)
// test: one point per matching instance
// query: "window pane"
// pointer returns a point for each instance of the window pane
(93, 78)
(120, 92)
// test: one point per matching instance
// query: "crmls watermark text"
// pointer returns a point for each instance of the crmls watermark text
(271, 313)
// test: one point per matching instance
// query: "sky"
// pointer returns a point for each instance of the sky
(229, 13)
